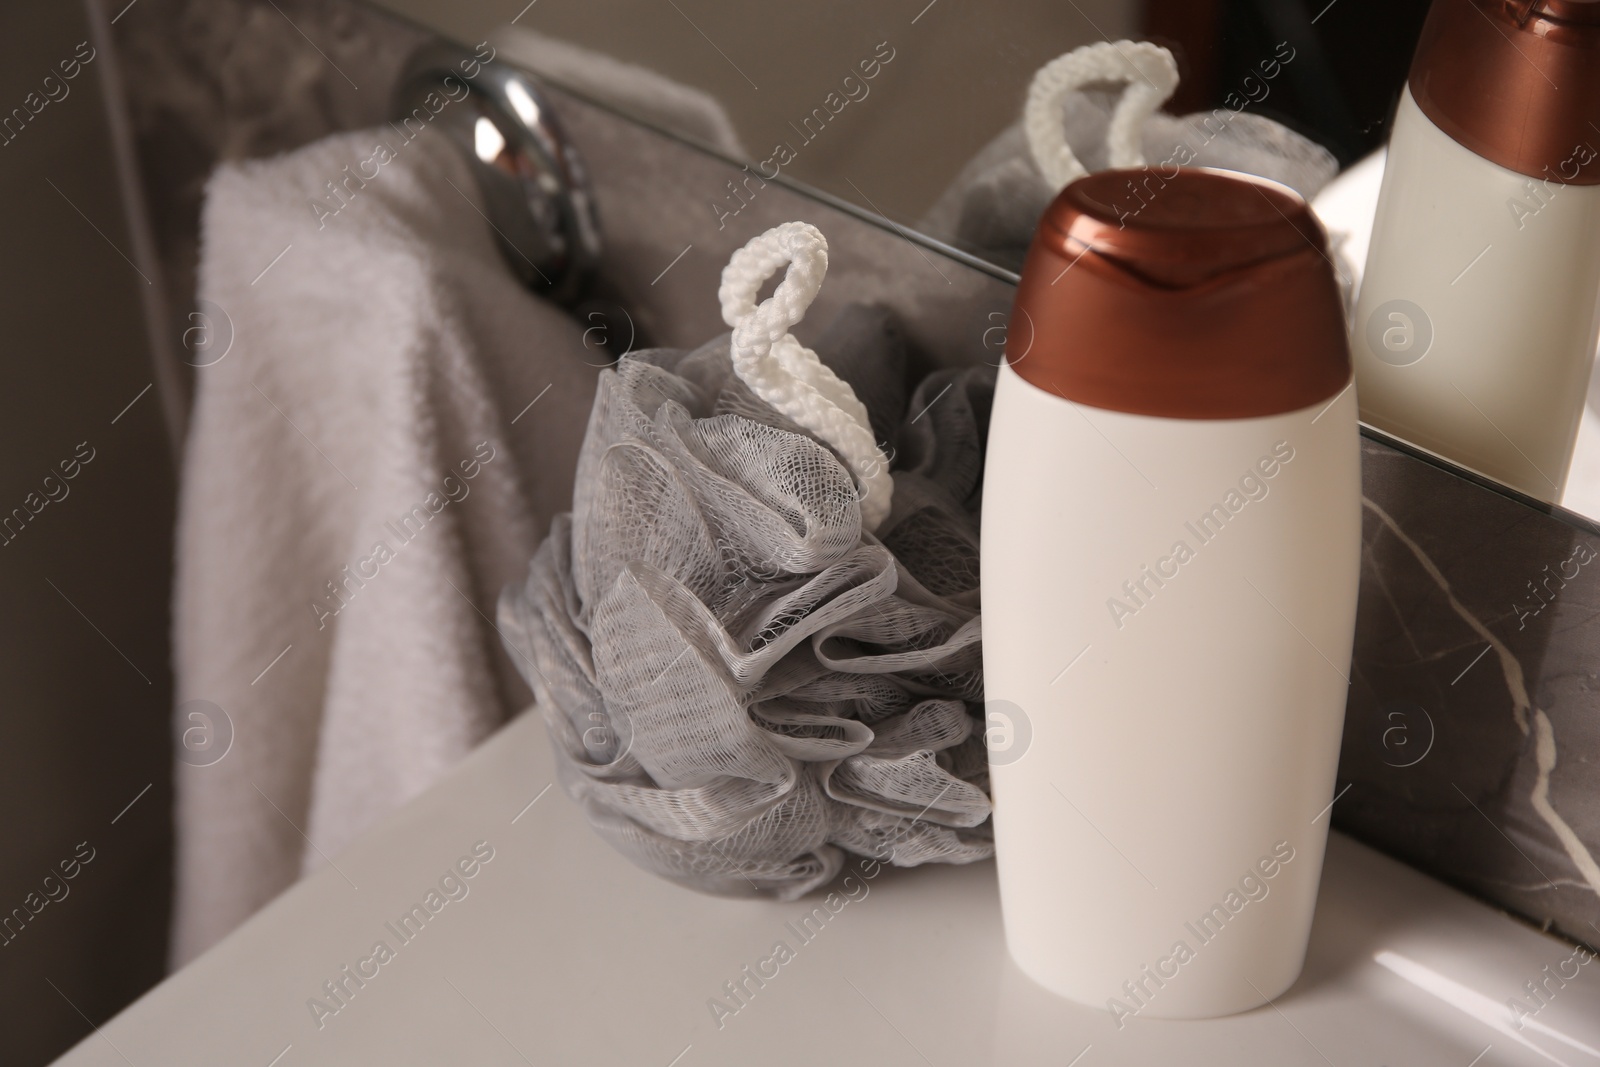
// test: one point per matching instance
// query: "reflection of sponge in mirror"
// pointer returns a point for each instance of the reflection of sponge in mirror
(995, 202)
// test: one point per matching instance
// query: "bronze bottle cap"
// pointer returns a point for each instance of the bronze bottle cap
(1516, 82)
(1197, 296)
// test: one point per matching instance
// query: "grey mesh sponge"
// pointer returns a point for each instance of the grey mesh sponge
(739, 684)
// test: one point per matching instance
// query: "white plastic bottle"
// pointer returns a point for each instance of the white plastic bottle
(1171, 551)
(1475, 327)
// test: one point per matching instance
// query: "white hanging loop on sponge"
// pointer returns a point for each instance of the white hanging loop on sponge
(1150, 74)
(786, 374)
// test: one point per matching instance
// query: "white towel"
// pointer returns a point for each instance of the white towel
(371, 414)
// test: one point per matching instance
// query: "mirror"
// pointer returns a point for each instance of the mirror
(914, 112)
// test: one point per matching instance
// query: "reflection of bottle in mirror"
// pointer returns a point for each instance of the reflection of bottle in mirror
(1475, 328)
(1171, 549)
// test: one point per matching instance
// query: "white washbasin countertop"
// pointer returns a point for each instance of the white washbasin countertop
(558, 951)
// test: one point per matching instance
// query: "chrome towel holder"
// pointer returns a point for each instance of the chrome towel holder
(536, 192)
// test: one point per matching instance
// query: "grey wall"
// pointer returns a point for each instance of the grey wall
(84, 684)
(85, 689)
(958, 77)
